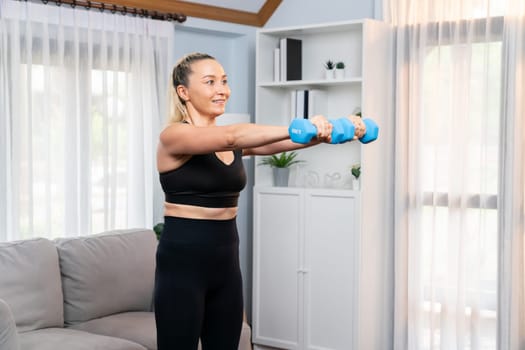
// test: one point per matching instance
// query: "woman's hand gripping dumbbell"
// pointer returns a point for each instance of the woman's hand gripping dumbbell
(343, 130)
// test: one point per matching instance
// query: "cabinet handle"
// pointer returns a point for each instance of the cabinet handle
(303, 270)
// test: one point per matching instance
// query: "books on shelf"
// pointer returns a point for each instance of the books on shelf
(307, 103)
(277, 64)
(290, 62)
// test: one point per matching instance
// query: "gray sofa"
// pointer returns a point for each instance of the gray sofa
(83, 293)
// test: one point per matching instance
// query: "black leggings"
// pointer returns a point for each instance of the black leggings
(198, 285)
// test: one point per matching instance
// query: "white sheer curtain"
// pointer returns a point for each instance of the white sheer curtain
(511, 325)
(82, 98)
(459, 214)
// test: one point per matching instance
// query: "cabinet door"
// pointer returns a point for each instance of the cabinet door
(277, 300)
(331, 248)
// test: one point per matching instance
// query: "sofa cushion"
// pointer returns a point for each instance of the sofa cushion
(107, 273)
(70, 339)
(8, 333)
(138, 327)
(30, 283)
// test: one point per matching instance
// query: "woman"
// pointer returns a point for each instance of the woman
(198, 289)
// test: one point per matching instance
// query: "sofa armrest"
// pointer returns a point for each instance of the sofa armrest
(8, 332)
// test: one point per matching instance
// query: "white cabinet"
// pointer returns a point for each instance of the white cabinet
(305, 268)
(331, 244)
(277, 267)
(319, 272)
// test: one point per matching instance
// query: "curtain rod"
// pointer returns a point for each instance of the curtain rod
(179, 17)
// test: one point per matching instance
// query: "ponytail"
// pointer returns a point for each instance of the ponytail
(177, 106)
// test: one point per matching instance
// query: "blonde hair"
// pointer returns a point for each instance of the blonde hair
(179, 76)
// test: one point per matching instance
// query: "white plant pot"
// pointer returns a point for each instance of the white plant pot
(355, 185)
(340, 73)
(281, 176)
(329, 74)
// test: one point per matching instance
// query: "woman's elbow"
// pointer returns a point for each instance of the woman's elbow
(233, 136)
(231, 141)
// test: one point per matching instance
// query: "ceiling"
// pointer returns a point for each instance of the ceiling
(242, 5)
(252, 12)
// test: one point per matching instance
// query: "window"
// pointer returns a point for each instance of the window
(459, 236)
(51, 168)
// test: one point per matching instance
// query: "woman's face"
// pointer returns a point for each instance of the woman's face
(207, 91)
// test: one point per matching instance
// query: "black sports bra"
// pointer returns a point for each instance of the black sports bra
(204, 180)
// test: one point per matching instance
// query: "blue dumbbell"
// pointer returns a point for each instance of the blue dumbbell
(301, 130)
(345, 130)
(372, 131)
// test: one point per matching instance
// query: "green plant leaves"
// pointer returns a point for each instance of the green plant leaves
(356, 170)
(283, 160)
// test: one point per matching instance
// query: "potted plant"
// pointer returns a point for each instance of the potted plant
(158, 229)
(281, 164)
(340, 70)
(356, 173)
(329, 66)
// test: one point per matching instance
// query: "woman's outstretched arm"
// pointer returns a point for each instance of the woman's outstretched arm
(181, 138)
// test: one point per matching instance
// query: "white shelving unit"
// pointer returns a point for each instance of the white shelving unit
(307, 288)
(338, 42)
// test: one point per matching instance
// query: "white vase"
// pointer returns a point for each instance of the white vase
(340, 73)
(281, 176)
(355, 185)
(329, 74)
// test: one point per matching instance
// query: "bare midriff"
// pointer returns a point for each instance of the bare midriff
(196, 212)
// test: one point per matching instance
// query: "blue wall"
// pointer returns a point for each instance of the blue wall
(234, 46)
